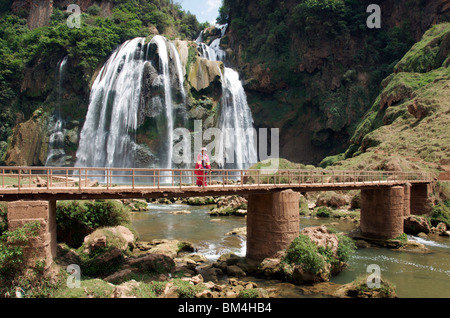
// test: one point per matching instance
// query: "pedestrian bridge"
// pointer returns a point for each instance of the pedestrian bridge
(273, 196)
(68, 183)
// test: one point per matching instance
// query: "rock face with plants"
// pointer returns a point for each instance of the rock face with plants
(313, 68)
(36, 38)
(407, 125)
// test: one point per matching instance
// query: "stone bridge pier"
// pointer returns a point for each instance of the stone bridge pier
(383, 209)
(273, 222)
(43, 246)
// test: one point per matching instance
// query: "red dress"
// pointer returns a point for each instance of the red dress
(200, 169)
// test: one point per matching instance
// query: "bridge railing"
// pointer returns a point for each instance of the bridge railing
(73, 177)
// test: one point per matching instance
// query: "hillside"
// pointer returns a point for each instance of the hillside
(313, 68)
(408, 124)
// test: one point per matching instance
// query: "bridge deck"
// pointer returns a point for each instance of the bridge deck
(128, 192)
(69, 183)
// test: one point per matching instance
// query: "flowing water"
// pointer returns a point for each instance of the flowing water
(144, 83)
(238, 138)
(414, 275)
(205, 232)
(56, 153)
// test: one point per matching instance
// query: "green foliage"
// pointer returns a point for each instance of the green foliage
(302, 251)
(303, 206)
(3, 217)
(441, 213)
(346, 248)
(324, 212)
(94, 10)
(187, 290)
(248, 293)
(14, 275)
(76, 219)
(11, 248)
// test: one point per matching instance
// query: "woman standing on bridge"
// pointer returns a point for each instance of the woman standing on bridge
(200, 167)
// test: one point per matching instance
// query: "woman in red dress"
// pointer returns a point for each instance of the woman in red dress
(201, 166)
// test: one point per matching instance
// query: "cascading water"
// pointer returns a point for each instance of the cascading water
(134, 84)
(138, 93)
(236, 123)
(235, 120)
(112, 112)
(56, 153)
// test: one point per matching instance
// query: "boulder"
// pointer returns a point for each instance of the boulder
(125, 290)
(239, 231)
(332, 199)
(158, 263)
(441, 229)
(235, 271)
(321, 236)
(166, 247)
(203, 73)
(415, 224)
(180, 212)
(119, 236)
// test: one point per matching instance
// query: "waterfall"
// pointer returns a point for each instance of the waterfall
(235, 119)
(180, 73)
(56, 153)
(133, 86)
(139, 95)
(236, 123)
(112, 112)
(164, 65)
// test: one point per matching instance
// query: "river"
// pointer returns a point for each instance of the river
(414, 275)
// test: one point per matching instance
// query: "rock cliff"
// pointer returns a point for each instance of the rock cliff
(313, 71)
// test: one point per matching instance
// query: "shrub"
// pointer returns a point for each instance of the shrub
(11, 248)
(76, 219)
(302, 251)
(346, 248)
(360, 289)
(440, 213)
(313, 258)
(3, 217)
(31, 282)
(94, 10)
(303, 206)
(324, 212)
(187, 290)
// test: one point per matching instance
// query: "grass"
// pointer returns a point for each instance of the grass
(89, 288)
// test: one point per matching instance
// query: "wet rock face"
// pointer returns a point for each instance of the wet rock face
(203, 73)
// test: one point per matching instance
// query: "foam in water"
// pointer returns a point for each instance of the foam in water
(427, 242)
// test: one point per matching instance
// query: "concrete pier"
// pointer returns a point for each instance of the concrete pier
(273, 222)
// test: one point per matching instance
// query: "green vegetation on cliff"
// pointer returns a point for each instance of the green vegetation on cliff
(314, 68)
(29, 57)
(408, 124)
